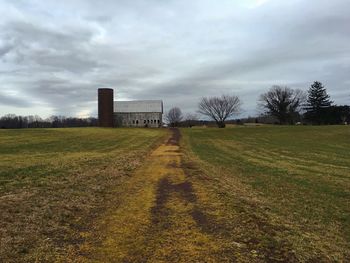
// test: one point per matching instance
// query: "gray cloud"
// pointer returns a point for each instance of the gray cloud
(5, 49)
(14, 101)
(56, 55)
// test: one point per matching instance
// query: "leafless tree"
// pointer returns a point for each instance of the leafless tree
(283, 103)
(12, 121)
(191, 119)
(174, 116)
(220, 108)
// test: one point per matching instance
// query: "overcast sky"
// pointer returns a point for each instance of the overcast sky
(55, 54)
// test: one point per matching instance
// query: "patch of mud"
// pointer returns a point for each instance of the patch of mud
(175, 137)
(172, 164)
(165, 188)
(200, 218)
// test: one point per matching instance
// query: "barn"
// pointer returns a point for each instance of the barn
(137, 113)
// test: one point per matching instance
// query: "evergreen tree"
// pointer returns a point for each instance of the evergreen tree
(318, 102)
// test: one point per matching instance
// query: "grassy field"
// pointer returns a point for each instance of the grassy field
(240, 194)
(54, 183)
(277, 193)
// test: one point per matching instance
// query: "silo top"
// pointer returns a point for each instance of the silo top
(105, 90)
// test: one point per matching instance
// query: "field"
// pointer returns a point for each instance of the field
(240, 194)
(284, 191)
(54, 183)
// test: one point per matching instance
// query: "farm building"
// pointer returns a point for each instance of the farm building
(138, 113)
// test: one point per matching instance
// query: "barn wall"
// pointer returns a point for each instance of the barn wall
(138, 119)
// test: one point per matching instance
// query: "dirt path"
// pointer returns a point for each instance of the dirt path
(171, 210)
(158, 220)
(178, 208)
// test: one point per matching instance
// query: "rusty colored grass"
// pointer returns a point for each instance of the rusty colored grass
(54, 184)
(242, 194)
(283, 192)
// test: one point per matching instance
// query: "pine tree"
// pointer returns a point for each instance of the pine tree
(317, 103)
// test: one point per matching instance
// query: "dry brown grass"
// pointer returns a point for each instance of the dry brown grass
(280, 193)
(156, 221)
(243, 194)
(56, 183)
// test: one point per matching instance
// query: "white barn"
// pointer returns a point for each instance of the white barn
(138, 113)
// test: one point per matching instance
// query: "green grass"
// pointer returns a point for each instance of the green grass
(298, 175)
(54, 182)
(240, 194)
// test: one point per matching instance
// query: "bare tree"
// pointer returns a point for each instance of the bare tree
(12, 121)
(191, 120)
(174, 116)
(220, 108)
(283, 103)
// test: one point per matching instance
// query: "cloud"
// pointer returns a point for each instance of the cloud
(258, 3)
(14, 101)
(4, 49)
(57, 54)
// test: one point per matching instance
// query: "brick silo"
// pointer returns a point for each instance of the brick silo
(105, 107)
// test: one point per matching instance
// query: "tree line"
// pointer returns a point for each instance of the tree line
(12, 121)
(282, 104)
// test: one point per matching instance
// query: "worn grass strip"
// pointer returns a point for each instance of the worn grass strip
(158, 218)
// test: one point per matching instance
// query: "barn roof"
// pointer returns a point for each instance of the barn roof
(139, 106)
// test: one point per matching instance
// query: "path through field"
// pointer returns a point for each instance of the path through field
(240, 194)
(178, 208)
(158, 221)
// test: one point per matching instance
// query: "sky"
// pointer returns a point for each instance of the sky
(54, 55)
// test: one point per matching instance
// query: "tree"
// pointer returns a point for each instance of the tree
(11, 121)
(344, 113)
(283, 103)
(336, 114)
(317, 103)
(174, 116)
(191, 120)
(219, 108)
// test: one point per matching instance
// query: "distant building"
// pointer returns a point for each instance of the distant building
(138, 113)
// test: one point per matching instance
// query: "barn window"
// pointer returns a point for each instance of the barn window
(155, 121)
(137, 121)
(151, 121)
(133, 121)
(144, 121)
(158, 121)
(147, 121)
